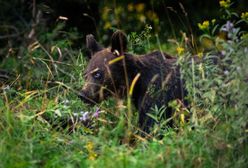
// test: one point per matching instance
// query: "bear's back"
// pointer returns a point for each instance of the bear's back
(159, 83)
(156, 65)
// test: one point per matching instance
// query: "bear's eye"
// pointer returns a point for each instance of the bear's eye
(97, 75)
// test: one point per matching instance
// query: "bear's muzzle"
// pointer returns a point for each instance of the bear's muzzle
(86, 99)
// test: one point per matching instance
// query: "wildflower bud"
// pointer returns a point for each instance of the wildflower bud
(180, 50)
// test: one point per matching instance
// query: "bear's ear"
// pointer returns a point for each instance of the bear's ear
(92, 45)
(119, 42)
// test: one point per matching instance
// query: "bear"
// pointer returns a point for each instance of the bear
(111, 70)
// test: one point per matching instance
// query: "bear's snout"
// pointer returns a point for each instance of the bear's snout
(85, 98)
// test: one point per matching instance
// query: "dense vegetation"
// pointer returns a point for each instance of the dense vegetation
(44, 124)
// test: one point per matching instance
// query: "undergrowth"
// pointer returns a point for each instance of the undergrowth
(44, 124)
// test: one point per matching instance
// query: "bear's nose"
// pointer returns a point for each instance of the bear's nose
(83, 96)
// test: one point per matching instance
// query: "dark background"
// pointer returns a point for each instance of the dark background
(19, 17)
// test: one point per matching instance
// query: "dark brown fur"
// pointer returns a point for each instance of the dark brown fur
(159, 82)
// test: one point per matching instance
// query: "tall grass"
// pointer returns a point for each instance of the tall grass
(44, 124)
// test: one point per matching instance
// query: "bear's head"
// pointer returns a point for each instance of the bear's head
(104, 73)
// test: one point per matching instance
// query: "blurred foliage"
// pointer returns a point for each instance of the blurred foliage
(116, 16)
(167, 18)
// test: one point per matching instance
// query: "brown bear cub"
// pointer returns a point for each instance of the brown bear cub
(111, 71)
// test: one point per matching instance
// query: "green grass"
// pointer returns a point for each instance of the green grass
(38, 127)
